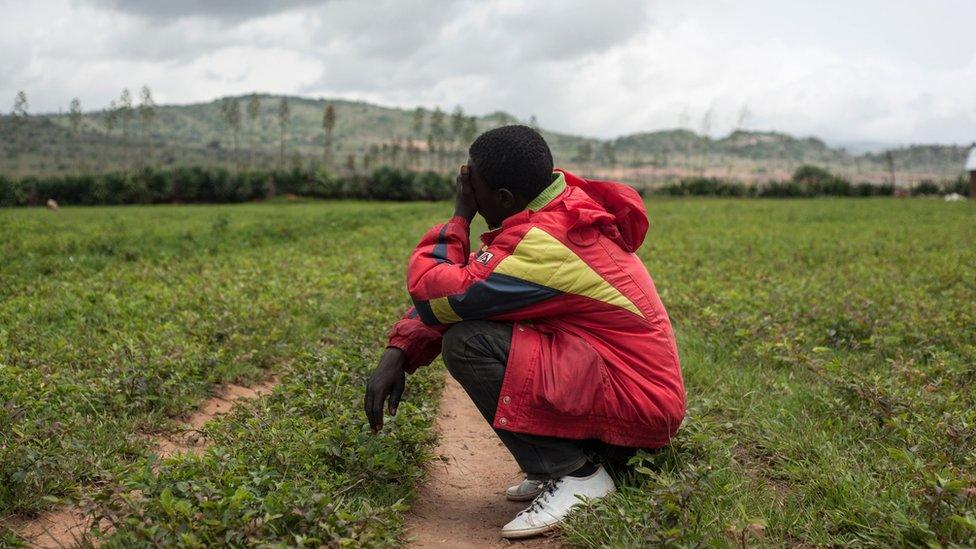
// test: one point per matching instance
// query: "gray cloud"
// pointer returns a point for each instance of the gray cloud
(403, 49)
(222, 10)
(870, 70)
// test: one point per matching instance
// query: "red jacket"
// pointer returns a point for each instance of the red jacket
(593, 354)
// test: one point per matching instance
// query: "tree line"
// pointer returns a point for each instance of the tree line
(196, 184)
(258, 132)
(126, 134)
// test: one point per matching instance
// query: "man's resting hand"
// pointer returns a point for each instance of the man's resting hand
(387, 380)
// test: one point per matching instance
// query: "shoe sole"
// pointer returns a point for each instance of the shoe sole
(530, 532)
(524, 497)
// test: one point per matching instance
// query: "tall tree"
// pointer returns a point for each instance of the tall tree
(21, 127)
(253, 113)
(395, 149)
(706, 129)
(21, 105)
(890, 161)
(584, 152)
(609, 155)
(328, 124)
(231, 112)
(470, 130)
(431, 149)
(412, 156)
(684, 122)
(419, 117)
(110, 118)
(284, 118)
(147, 116)
(438, 132)
(418, 133)
(370, 156)
(74, 119)
(457, 127)
(125, 118)
(740, 125)
(74, 115)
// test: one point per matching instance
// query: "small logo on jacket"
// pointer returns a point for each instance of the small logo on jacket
(484, 257)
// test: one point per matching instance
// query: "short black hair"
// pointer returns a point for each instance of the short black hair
(513, 157)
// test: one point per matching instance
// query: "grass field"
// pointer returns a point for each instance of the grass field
(828, 348)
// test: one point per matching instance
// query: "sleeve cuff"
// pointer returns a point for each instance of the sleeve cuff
(463, 222)
(418, 354)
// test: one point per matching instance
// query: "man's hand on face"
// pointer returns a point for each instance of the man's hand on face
(387, 380)
(465, 204)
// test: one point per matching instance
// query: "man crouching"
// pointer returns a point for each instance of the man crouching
(553, 327)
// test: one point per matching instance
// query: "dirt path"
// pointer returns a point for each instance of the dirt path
(64, 527)
(463, 502)
(190, 440)
(67, 526)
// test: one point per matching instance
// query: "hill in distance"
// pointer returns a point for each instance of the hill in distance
(372, 134)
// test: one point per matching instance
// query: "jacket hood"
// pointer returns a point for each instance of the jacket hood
(614, 209)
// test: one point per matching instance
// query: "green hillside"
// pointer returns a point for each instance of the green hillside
(752, 145)
(200, 134)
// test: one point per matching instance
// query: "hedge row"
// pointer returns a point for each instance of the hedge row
(807, 181)
(215, 185)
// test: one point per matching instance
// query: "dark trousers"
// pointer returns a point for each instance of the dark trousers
(476, 353)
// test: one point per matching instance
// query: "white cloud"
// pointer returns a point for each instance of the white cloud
(867, 70)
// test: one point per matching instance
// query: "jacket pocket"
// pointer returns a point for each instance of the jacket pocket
(572, 375)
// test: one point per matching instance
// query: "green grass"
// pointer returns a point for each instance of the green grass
(115, 320)
(828, 348)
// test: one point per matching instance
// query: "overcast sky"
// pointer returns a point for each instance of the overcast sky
(880, 70)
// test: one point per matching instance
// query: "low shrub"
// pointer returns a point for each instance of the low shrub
(432, 186)
(816, 181)
(393, 184)
(926, 187)
(11, 193)
(959, 185)
(873, 189)
(806, 182)
(707, 186)
(190, 184)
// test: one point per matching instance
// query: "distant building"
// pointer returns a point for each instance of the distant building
(971, 168)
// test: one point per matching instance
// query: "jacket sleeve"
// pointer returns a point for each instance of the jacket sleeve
(421, 343)
(448, 286)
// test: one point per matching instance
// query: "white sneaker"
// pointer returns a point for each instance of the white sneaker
(555, 501)
(529, 489)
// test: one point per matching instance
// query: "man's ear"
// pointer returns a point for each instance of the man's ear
(506, 198)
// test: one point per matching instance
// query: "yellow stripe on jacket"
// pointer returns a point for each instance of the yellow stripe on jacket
(540, 258)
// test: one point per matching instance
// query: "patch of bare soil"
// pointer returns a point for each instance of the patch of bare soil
(463, 503)
(189, 439)
(67, 526)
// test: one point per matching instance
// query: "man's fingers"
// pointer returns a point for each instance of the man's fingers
(387, 381)
(374, 407)
(395, 397)
(379, 397)
(378, 411)
(368, 406)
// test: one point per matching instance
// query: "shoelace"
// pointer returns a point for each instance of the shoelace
(548, 488)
